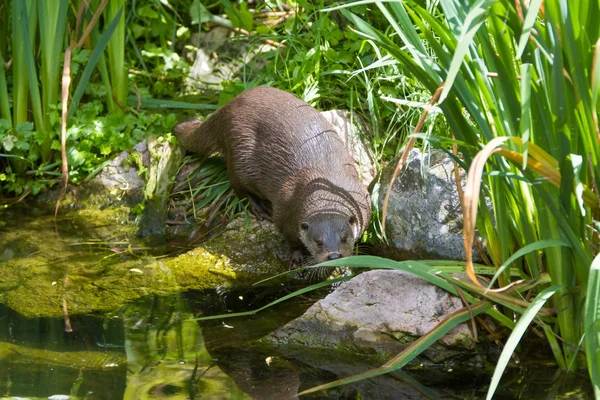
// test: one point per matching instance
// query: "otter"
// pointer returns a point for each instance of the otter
(291, 164)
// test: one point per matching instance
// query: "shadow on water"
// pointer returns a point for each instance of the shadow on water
(153, 348)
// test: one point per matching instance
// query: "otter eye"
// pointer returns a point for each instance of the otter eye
(304, 226)
(319, 243)
(352, 220)
(344, 239)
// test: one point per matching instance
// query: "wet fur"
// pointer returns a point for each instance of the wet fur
(280, 149)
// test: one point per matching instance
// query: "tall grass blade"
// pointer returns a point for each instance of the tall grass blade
(116, 54)
(596, 80)
(525, 123)
(517, 333)
(476, 17)
(160, 103)
(542, 244)
(20, 90)
(27, 19)
(592, 325)
(4, 104)
(92, 61)
(271, 304)
(532, 13)
(53, 21)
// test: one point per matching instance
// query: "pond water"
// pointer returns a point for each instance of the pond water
(73, 326)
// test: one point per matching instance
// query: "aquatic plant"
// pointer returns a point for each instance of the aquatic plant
(518, 85)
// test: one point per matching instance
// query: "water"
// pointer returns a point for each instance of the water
(78, 321)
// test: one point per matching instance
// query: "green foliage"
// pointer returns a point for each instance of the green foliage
(30, 123)
(328, 65)
(524, 87)
(93, 137)
(206, 192)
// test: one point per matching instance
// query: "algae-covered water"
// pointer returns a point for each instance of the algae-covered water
(87, 311)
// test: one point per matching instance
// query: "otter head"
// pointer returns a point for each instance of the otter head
(328, 236)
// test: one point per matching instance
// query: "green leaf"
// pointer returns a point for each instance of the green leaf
(542, 244)
(530, 18)
(592, 325)
(24, 128)
(525, 123)
(596, 75)
(158, 103)
(91, 64)
(147, 11)
(577, 163)
(4, 125)
(8, 142)
(198, 8)
(517, 333)
(476, 17)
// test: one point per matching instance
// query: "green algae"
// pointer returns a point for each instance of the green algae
(87, 260)
(10, 352)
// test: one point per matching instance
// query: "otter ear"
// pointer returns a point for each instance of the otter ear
(352, 220)
(304, 226)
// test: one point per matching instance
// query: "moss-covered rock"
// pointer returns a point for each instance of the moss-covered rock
(91, 259)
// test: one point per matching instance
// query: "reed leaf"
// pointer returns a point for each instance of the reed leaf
(20, 79)
(517, 334)
(592, 325)
(53, 21)
(4, 104)
(27, 17)
(525, 75)
(116, 54)
(93, 60)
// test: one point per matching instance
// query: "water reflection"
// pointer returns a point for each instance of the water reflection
(153, 348)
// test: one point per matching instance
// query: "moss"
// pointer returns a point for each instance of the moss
(34, 288)
(37, 260)
(116, 217)
(135, 159)
(200, 269)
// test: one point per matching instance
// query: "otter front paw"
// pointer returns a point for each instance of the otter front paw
(261, 209)
(297, 259)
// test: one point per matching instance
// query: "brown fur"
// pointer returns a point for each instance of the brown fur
(280, 149)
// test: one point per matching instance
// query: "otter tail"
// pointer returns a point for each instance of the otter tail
(197, 136)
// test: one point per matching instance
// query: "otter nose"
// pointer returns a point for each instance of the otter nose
(334, 256)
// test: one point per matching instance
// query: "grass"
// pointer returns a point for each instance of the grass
(520, 96)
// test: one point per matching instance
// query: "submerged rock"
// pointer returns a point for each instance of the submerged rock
(424, 218)
(98, 264)
(246, 248)
(378, 313)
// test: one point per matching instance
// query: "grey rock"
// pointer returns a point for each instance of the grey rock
(164, 160)
(352, 130)
(119, 183)
(424, 217)
(379, 311)
(218, 58)
(120, 175)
